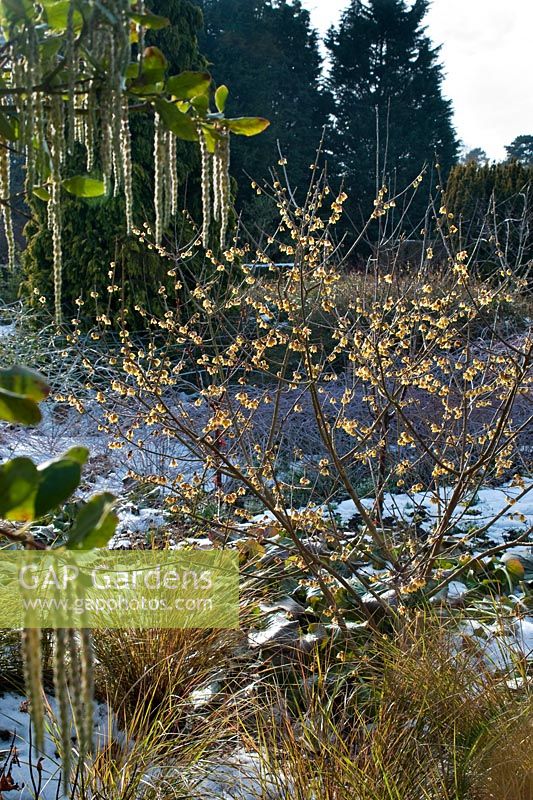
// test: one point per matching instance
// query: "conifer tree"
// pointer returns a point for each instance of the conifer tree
(390, 115)
(492, 206)
(269, 55)
(521, 149)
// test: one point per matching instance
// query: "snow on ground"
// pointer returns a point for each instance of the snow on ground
(14, 730)
(499, 510)
(483, 508)
(241, 776)
(7, 330)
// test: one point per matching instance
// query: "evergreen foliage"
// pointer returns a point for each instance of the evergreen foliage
(521, 149)
(390, 115)
(94, 233)
(488, 199)
(269, 56)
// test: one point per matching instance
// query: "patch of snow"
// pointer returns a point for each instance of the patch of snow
(244, 776)
(7, 330)
(14, 727)
(456, 590)
(489, 503)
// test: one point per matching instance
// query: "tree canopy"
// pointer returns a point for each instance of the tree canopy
(521, 149)
(390, 114)
(269, 54)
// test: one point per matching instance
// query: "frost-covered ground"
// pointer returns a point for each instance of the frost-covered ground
(240, 776)
(29, 770)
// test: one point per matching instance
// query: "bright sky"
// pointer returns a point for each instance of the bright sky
(486, 55)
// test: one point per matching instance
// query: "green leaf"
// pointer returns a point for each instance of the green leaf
(200, 104)
(221, 96)
(154, 59)
(6, 128)
(83, 186)
(152, 21)
(78, 454)
(18, 483)
(42, 193)
(57, 15)
(132, 70)
(210, 137)
(247, 126)
(187, 85)
(14, 408)
(177, 122)
(25, 382)
(59, 479)
(95, 524)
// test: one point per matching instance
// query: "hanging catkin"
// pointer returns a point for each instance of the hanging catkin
(5, 192)
(106, 160)
(159, 177)
(89, 129)
(54, 204)
(87, 687)
(167, 191)
(75, 681)
(32, 107)
(173, 173)
(71, 76)
(222, 184)
(63, 700)
(206, 188)
(126, 165)
(31, 657)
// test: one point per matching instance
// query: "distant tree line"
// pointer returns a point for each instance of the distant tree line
(373, 91)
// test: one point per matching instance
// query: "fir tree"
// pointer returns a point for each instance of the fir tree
(390, 115)
(269, 56)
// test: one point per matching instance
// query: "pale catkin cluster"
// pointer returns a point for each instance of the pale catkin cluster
(5, 183)
(159, 176)
(31, 656)
(206, 188)
(57, 143)
(73, 686)
(125, 145)
(63, 700)
(165, 177)
(93, 113)
(215, 182)
(221, 184)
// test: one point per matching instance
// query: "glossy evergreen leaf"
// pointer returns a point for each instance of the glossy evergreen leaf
(18, 484)
(25, 382)
(14, 408)
(221, 96)
(152, 21)
(58, 480)
(84, 186)
(57, 15)
(42, 193)
(95, 524)
(247, 126)
(176, 121)
(187, 85)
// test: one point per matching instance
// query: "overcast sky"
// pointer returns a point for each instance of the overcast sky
(487, 57)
